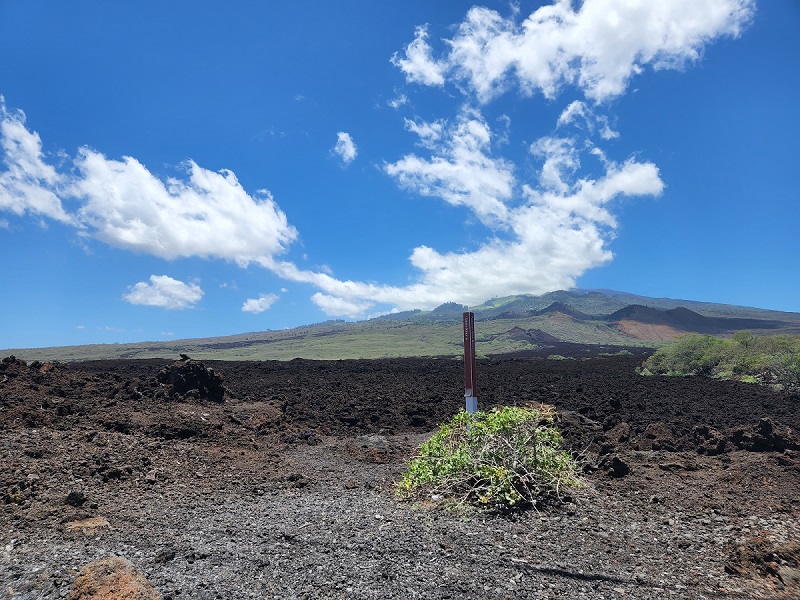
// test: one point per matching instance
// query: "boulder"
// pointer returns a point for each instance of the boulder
(656, 436)
(765, 436)
(708, 441)
(192, 380)
(614, 466)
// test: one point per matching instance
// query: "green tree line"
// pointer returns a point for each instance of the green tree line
(772, 359)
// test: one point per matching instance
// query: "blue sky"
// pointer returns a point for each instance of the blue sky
(183, 169)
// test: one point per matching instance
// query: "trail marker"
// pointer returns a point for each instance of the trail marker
(470, 377)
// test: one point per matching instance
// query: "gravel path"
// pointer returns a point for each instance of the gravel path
(309, 536)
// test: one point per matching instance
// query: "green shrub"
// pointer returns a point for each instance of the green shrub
(689, 355)
(745, 357)
(503, 459)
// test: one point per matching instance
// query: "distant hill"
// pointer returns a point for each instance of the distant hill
(688, 320)
(503, 325)
(530, 336)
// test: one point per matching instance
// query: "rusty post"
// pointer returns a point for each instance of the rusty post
(470, 376)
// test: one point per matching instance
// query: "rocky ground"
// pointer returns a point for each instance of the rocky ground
(275, 480)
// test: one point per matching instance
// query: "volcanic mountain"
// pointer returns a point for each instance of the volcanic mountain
(523, 322)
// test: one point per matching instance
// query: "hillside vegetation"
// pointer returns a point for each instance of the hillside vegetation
(756, 359)
(503, 325)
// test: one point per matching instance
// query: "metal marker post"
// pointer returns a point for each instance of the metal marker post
(470, 376)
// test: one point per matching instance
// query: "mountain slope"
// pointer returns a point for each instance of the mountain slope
(503, 325)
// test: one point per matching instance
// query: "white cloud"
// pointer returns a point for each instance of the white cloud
(581, 116)
(165, 292)
(397, 102)
(208, 215)
(605, 128)
(340, 307)
(561, 160)
(598, 45)
(418, 65)
(584, 202)
(544, 235)
(260, 304)
(345, 147)
(460, 171)
(550, 235)
(575, 111)
(545, 230)
(204, 213)
(28, 183)
(429, 133)
(554, 238)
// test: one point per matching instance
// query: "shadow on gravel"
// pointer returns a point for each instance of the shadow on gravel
(562, 572)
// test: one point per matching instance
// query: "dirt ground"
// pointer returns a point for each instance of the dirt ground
(276, 479)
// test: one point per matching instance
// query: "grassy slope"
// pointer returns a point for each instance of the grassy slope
(418, 334)
(342, 341)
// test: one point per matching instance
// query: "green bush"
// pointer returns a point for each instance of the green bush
(745, 357)
(688, 355)
(622, 352)
(503, 459)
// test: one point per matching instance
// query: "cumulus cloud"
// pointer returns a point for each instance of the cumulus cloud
(555, 236)
(548, 229)
(345, 147)
(120, 202)
(597, 45)
(418, 64)
(561, 160)
(28, 184)
(461, 170)
(584, 202)
(208, 214)
(429, 133)
(543, 236)
(340, 307)
(546, 223)
(165, 292)
(258, 305)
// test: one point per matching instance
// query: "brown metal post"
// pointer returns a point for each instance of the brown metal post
(470, 374)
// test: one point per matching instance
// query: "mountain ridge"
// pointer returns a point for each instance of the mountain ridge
(503, 325)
